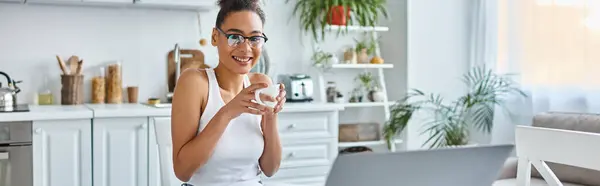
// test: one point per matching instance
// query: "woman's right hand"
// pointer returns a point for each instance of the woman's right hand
(242, 103)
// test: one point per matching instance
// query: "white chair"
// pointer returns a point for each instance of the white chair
(536, 145)
(162, 131)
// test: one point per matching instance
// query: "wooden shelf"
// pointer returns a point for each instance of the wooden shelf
(365, 143)
(362, 66)
(357, 28)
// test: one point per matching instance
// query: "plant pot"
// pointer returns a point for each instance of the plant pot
(461, 146)
(363, 57)
(339, 99)
(333, 60)
(337, 16)
(375, 96)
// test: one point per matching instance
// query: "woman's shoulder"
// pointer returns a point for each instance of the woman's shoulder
(193, 74)
(192, 78)
(259, 78)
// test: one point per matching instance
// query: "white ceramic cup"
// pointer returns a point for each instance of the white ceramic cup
(271, 90)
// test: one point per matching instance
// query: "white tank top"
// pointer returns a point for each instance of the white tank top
(235, 158)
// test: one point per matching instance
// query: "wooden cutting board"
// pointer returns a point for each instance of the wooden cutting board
(190, 58)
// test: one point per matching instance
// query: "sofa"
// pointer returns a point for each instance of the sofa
(568, 175)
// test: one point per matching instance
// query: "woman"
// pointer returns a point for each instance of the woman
(220, 136)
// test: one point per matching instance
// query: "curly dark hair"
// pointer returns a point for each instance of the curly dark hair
(229, 6)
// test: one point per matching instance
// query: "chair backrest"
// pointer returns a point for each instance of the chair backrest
(536, 145)
(162, 130)
(584, 122)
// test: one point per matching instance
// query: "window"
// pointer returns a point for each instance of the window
(550, 42)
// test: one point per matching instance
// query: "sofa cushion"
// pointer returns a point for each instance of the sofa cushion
(570, 121)
(534, 182)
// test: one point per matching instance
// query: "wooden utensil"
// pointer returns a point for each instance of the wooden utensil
(62, 65)
(73, 60)
(79, 65)
(195, 60)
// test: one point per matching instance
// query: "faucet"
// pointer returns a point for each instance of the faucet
(177, 56)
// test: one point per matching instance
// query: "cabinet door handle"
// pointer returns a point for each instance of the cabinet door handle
(291, 155)
(292, 126)
(38, 130)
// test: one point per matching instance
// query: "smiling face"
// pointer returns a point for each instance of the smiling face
(239, 41)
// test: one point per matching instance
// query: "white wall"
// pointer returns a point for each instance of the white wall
(438, 43)
(31, 35)
(429, 43)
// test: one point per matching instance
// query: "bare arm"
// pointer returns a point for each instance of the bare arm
(191, 151)
(271, 156)
(270, 159)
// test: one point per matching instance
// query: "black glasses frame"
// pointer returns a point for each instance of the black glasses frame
(245, 38)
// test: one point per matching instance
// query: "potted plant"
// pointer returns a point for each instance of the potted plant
(364, 49)
(400, 115)
(356, 95)
(370, 87)
(314, 15)
(338, 15)
(323, 60)
(451, 122)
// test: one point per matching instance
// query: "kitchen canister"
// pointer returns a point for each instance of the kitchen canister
(71, 92)
(114, 84)
(99, 87)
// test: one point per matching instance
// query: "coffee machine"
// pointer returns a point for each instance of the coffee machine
(299, 87)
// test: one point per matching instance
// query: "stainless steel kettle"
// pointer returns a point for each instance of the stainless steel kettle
(8, 95)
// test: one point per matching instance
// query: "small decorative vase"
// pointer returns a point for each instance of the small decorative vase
(350, 56)
(353, 99)
(370, 95)
(356, 99)
(334, 60)
(363, 57)
(375, 95)
(339, 99)
(378, 96)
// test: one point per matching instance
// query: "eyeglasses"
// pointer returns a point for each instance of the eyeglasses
(233, 40)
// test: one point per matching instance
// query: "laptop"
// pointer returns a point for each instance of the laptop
(461, 166)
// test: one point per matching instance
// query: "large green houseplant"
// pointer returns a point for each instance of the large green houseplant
(314, 15)
(450, 122)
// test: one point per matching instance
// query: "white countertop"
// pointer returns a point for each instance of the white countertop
(88, 111)
(133, 110)
(49, 112)
(311, 107)
(127, 110)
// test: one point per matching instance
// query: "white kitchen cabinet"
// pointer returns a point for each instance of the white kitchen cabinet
(62, 153)
(309, 146)
(120, 151)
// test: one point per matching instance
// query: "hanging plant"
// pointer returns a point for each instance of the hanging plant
(314, 15)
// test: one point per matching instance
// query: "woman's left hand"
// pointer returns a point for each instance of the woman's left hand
(280, 100)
